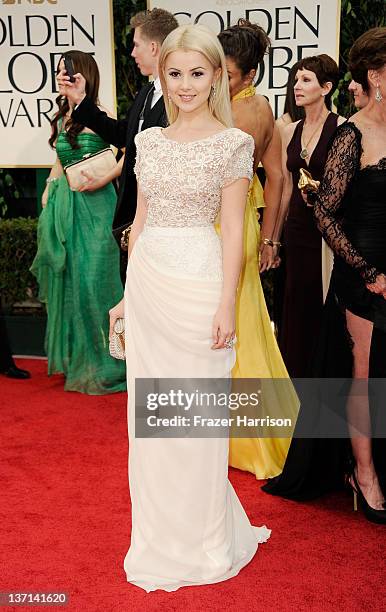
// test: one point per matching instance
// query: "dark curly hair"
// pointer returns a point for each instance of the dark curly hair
(367, 53)
(246, 43)
(87, 66)
(326, 70)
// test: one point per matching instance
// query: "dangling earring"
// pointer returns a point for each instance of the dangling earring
(212, 97)
(378, 95)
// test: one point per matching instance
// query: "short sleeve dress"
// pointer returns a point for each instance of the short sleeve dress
(188, 526)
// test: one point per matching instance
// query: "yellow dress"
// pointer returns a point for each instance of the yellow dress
(258, 354)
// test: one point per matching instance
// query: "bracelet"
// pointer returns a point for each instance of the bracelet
(276, 243)
(268, 242)
(51, 180)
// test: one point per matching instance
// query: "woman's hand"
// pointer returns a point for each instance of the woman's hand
(115, 313)
(74, 92)
(267, 257)
(308, 197)
(276, 261)
(379, 286)
(91, 183)
(223, 330)
(45, 197)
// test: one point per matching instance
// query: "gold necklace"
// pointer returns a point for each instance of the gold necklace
(304, 149)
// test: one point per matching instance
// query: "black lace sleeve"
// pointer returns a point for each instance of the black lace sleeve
(343, 161)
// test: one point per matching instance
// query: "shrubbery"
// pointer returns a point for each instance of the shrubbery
(18, 249)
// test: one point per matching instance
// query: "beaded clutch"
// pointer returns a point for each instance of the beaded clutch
(117, 340)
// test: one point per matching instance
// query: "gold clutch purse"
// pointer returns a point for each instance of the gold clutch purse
(306, 183)
(117, 340)
(96, 164)
(308, 186)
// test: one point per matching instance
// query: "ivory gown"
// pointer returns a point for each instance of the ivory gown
(188, 526)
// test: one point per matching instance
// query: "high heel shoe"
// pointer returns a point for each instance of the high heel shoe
(371, 514)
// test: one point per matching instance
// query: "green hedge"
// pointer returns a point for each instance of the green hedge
(128, 77)
(357, 16)
(18, 248)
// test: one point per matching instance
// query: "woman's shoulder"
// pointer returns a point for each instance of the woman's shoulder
(348, 130)
(288, 130)
(346, 142)
(147, 135)
(238, 137)
(283, 121)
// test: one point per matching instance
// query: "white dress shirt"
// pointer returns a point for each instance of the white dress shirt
(157, 94)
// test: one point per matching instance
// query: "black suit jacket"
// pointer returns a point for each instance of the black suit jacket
(121, 134)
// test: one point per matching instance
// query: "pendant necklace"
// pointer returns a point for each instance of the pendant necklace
(304, 149)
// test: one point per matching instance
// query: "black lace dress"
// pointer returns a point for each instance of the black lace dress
(351, 214)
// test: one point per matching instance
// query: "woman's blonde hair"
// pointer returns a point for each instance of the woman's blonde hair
(201, 39)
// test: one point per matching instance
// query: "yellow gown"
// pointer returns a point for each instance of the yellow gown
(257, 352)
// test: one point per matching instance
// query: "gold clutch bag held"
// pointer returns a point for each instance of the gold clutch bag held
(117, 340)
(96, 164)
(308, 186)
(306, 182)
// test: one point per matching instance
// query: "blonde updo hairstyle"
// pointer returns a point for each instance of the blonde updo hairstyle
(201, 39)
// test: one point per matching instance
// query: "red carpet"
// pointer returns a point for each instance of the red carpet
(65, 520)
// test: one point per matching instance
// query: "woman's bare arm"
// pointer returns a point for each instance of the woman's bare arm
(287, 184)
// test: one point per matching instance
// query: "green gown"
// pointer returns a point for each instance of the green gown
(77, 267)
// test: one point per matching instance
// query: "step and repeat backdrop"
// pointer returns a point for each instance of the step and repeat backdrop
(35, 33)
(296, 29)
(33, 36)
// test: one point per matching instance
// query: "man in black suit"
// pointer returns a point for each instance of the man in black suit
(147, 110)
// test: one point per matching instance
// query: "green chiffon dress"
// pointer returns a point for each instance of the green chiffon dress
(77, 267)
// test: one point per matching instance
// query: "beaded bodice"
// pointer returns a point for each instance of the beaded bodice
(182, 182)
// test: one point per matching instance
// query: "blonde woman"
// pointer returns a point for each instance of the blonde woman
(188, 526)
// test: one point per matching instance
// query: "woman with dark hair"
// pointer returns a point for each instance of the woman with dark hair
(292, 112)
(257, 353)
(305, 146)
(350, 212)
(77, 262)
(360, 97)
(351, 215)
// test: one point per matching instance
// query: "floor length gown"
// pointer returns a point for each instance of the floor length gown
(351, 213)
(257, 352)
(303, 291)
(188, 526)
(77, 268)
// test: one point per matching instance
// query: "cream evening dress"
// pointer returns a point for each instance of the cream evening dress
(188, 525)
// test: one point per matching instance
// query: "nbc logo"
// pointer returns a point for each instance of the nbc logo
(29, 1)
